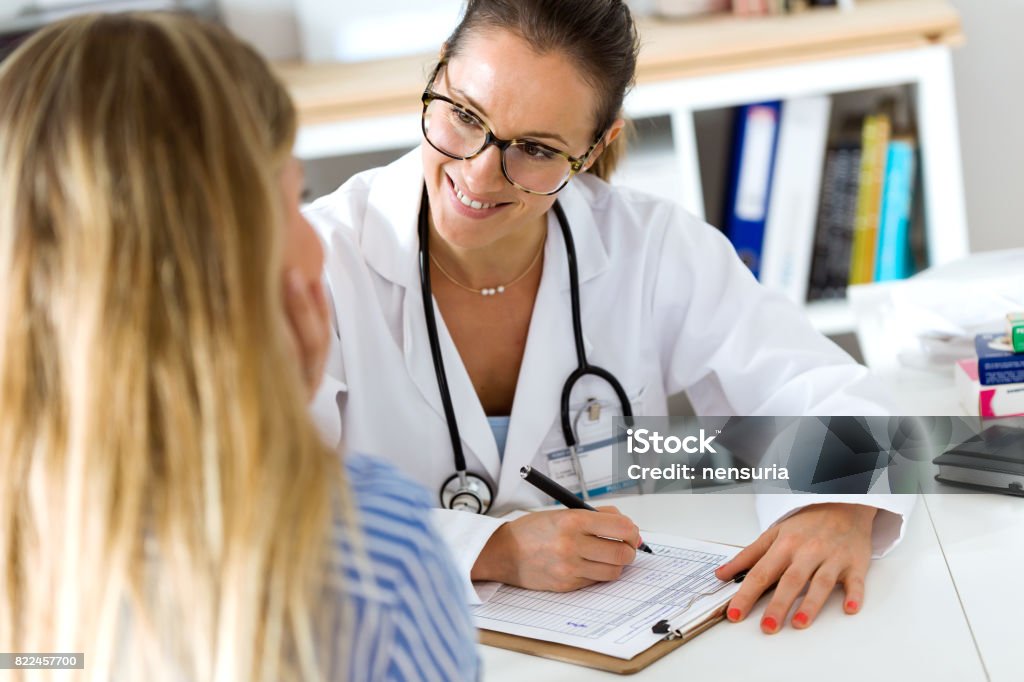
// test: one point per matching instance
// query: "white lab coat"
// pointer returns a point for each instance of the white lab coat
(666, 307)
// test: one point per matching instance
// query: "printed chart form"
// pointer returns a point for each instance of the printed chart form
(676, 583)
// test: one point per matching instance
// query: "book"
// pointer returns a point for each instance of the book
(894, 259)
(750, 7)
(992, 460)
(997, 363)
(796, 187)
(754, 143)
(874, 151)
(830, 266)
(987, 402)
(678, 9)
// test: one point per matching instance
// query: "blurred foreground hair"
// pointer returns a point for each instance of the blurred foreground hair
(165, 501)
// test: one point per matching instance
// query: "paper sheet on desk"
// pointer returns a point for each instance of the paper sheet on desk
(958, 308)
(615, 618)
(929, 321)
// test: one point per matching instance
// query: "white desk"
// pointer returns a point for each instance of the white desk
(982, 537)
(911, 626)
(944, 605)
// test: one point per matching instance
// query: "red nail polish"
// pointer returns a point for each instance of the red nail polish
(733, 614)
(768, 623)
(800, 618)
(851, 605)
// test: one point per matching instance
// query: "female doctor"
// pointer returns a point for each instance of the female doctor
(480, 271)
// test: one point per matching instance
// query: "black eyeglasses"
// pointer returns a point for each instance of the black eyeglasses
(458, 133)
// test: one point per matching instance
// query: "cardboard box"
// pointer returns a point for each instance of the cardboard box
(997, 363)
(987, 402)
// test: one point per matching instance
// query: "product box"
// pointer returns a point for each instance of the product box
(997, 363)
(988, 402)
(1015, 330)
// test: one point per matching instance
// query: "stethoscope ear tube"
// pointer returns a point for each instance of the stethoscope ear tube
(574, 292)
(627, 409)
(435, 346)
(582, 366)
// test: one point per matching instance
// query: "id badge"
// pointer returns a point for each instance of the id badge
(594, 431)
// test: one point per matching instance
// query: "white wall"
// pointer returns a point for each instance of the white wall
(989, 73)
(345, 30)
(270, 25)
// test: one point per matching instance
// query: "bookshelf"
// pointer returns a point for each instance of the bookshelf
(687, 69)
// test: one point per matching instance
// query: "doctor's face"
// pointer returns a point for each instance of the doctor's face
(518, 94)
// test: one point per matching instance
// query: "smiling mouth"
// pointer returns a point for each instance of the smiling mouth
(466, 201)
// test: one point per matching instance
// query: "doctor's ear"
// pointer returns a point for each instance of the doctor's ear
(611, 148)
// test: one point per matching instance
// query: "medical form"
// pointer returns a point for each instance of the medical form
(677, 583)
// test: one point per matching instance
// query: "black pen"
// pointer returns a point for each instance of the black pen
(552, 489)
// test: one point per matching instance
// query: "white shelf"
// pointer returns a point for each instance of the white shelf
(928, 68)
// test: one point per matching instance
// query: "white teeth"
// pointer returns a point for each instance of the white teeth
(466, 201)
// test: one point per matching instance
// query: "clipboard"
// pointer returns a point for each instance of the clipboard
(593, 659)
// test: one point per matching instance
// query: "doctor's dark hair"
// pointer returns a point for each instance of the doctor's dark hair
(599, 36)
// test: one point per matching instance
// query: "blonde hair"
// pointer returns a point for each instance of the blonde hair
(165, 501)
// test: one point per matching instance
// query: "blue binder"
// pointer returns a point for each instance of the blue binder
(753, 156)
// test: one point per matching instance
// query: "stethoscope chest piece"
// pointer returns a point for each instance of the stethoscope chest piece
(465, 491)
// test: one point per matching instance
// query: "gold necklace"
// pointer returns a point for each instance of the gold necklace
(491, 291)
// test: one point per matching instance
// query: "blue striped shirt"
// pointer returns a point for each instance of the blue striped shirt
(410, 620)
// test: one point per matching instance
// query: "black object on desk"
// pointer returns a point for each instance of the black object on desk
(662, 627)
(560, 494)
(992, 461)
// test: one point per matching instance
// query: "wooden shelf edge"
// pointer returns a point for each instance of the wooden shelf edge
(332, 93)
(861, 48)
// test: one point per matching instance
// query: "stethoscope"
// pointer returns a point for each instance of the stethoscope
(464, 490)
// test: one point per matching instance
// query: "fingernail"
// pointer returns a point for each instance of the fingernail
(851, 606)
(733, 614)
(769, 624)
(800, 618)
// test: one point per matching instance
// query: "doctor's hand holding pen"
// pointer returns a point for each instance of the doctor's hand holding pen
(559, 550)
(820, 546)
